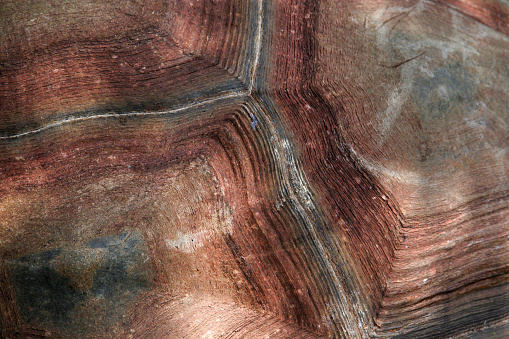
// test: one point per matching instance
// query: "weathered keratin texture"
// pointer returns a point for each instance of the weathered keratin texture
(254, 169)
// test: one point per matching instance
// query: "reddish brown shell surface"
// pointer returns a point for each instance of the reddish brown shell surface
(254, 169)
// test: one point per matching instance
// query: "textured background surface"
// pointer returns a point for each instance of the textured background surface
(253, 169)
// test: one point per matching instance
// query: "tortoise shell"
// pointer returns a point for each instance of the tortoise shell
(253, 169)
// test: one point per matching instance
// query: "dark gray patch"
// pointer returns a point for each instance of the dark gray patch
(118, 273)
(43, 295)
(449, 87)
(49, 294)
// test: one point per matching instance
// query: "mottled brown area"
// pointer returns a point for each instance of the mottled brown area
(189, 206)
(423, 122)
(145, 70)
(493, 13)
(253, 169)
(29, 26)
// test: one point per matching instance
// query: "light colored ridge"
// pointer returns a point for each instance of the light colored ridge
(258, 46)
(258, 42)
(109, 115)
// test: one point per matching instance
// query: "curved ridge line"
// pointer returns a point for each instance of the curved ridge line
(299, 193)
(258, 46)
(109, 115)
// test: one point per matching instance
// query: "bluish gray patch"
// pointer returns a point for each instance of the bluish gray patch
(99, 242)
(449, 87)
(116, 276)
(46, 295)
(254, 122)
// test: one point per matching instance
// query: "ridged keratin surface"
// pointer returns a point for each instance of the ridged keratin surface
(254, 169)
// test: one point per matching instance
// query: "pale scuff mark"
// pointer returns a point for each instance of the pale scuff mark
(187, 242)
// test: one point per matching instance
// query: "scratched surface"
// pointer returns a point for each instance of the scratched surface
(249, 168)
